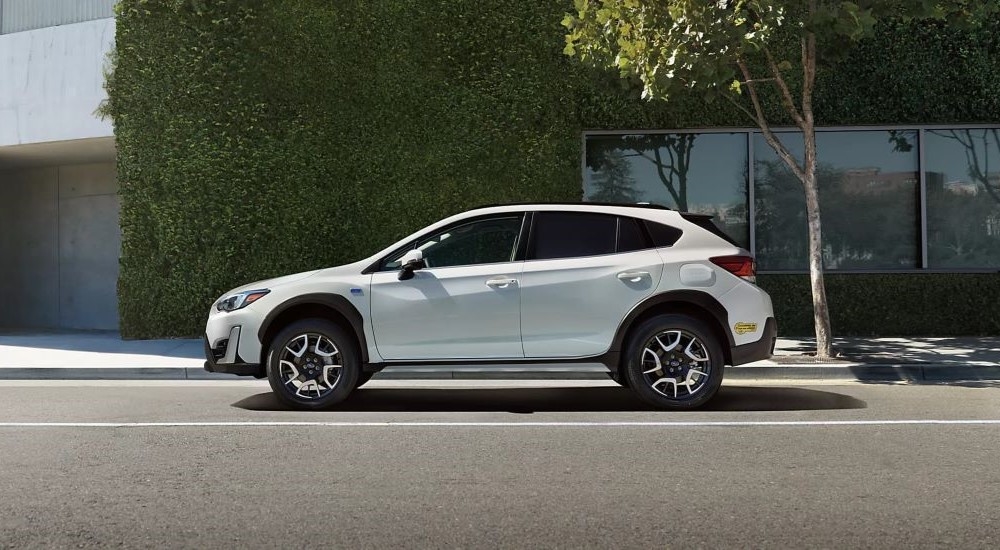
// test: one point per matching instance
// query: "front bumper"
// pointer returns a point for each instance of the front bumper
(225, 358)
(759, 350)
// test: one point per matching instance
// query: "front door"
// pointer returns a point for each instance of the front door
(465, 302)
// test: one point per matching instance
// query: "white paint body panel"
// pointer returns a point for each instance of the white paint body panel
(747, 303)
(572, 307)
(447, 313)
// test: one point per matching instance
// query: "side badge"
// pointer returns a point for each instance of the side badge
(357, 292)
(743, 328)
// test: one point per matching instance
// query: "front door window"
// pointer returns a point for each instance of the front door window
(488, 241)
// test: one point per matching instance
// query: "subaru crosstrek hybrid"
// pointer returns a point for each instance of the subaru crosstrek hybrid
(663, 299)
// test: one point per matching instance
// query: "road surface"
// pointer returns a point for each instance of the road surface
(498, 464)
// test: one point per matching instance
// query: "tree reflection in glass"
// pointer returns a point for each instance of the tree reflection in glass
(668, 169)
(868, 200)
(962, 169)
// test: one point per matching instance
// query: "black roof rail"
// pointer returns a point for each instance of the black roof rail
(557, 203)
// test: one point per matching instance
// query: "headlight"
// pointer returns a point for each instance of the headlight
(240, 299)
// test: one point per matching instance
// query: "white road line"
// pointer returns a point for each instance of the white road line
(407, 424)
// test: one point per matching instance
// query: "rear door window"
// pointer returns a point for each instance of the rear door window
(557, 235)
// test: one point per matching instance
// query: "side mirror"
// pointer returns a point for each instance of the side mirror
(412, 261)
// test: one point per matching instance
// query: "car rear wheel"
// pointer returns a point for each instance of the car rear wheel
(312, 364)
(674, 362)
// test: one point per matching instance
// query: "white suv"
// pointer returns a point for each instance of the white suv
(663, 299)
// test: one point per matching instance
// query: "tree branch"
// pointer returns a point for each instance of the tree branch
(809, 74)
(741, 107)
(786, 94)
(769, 136)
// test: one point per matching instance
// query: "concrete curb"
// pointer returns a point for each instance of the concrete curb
(863, 373)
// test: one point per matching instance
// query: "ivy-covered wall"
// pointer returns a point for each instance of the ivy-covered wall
(257, 138)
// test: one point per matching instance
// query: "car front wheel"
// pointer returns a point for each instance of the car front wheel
(674, 362)
(312, 364)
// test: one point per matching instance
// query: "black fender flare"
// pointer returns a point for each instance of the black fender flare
(699, 299)
(336, 302)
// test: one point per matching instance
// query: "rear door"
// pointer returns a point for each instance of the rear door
(584, 272)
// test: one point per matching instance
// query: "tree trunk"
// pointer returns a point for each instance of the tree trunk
(821, 311)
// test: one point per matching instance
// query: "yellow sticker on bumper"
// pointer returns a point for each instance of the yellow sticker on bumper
(743, 328)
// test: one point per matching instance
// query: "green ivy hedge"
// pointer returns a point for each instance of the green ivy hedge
(911, 304)
(257, 138)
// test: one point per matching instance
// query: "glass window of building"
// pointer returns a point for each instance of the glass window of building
(869, 195)
(702, 173)
(962, 170)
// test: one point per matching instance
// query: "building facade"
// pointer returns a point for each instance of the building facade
(292, 121)
(59, 208)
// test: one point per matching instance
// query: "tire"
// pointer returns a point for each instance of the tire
(324, 350)
(677, 342)
(363, 379)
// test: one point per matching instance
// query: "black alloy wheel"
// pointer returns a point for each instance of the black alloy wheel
(674, 362)
(313, 364)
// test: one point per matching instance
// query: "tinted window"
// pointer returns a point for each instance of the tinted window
(963, 197)
(572, 234)
(663, 235)
(486, 241)
(631, 235)
(869, 191)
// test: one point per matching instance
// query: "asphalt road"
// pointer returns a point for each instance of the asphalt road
(542, 464)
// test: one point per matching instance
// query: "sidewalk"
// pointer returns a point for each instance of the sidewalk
(105, 356)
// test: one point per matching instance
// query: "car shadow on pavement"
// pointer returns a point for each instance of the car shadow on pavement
(531, 400)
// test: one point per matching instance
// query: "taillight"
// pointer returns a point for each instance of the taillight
(742, 266)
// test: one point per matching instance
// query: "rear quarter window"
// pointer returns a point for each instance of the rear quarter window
(662, 235)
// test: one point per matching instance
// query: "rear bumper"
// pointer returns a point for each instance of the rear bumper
(212, 364)
(759, 350)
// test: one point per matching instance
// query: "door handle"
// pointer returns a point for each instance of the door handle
(632, 276)
(501, 282)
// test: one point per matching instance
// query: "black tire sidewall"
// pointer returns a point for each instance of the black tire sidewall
(660, 323)
(345, 345)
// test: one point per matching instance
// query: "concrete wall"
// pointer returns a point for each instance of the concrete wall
(59, 247)
(23, 15)
(53, 81)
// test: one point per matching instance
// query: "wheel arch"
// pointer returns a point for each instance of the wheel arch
(331, 307)
(697, 304)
